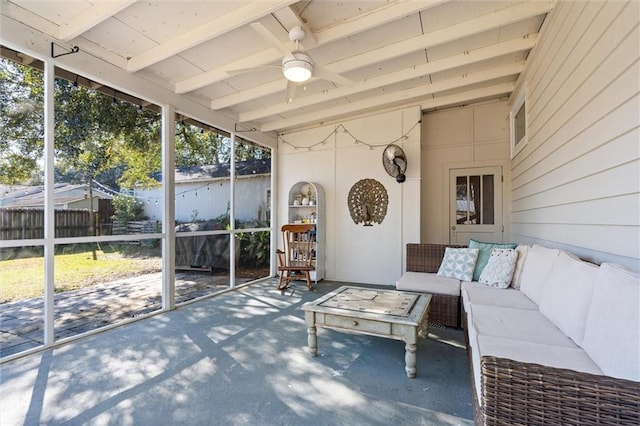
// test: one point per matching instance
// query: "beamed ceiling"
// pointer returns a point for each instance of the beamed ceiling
(432, 53)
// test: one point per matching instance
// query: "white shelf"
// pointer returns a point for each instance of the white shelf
(312, 214)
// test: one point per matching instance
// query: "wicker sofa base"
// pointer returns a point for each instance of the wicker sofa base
(445, 310)
(517, 393)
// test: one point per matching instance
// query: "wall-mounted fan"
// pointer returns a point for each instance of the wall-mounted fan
(297, 66)
(395, 162)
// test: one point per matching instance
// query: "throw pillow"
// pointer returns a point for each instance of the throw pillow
(522, 251)
(500, 267)
(484, 253)
(567, 295)
(458, 263)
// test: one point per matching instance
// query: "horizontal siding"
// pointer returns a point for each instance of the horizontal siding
(615, 156)
(588, 212)
(577, 181)
(612, 239)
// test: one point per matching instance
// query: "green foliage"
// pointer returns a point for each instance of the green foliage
(254, 248)
(127, 209)
(21, 123)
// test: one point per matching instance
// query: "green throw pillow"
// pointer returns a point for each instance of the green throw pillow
(485, 253)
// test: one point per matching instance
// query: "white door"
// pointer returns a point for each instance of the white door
(475, 205)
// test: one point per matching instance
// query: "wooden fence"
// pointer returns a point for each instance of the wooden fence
(23, 224)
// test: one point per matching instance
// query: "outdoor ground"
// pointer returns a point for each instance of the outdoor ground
(86, 300)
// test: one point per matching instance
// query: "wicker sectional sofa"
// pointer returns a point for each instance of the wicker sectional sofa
(561, 348)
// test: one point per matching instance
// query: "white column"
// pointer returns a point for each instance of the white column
(232, 214)
(168, 208)
(49, 213)
(273, 207)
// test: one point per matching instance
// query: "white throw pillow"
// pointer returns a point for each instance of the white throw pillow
(567, 296)
(536, 270)
(499, 270)
(458, 263)
(522, 250)
(612, 333)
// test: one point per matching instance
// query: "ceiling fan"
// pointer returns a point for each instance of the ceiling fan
(297, 66)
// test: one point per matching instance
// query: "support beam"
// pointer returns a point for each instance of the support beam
(225, 23)
(168, 208)
(467, 58)
(89, 18)
(49, 207)
(396, 98)
(467, 28)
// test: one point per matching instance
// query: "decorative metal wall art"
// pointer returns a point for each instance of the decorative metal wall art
(368, 202)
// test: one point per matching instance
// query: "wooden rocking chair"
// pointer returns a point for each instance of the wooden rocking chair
(298, 253)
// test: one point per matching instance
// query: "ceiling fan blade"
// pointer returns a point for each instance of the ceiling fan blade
(268, 36)
(325, 74)
(291, 91)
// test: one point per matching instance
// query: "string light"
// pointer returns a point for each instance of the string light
(342, 129)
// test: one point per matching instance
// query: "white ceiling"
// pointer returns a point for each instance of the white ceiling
(433, 53)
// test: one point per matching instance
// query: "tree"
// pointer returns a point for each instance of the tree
(21, 124)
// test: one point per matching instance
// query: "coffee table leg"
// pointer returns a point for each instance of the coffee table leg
(410, 359)
(312, 338)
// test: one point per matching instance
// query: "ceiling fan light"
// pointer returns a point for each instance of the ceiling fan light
(297, 68)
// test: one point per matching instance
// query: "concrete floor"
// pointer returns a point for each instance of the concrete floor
(238, 359)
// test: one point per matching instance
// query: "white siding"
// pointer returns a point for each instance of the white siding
(576, 184)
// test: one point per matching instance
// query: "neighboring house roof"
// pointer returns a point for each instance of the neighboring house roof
(33, 196)
(216, 171)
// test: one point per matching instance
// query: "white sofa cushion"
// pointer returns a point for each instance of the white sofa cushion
(480, 294)
(553, 356)
(499, 270)
(458, 263)
(522, 251)
(612, 332)
(536, 270)
(428, 283)
(567, 295)
(517, 324)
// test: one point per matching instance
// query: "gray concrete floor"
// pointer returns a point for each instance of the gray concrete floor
(82, 310)
(238, 358)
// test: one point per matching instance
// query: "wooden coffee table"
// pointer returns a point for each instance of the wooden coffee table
(398, 315)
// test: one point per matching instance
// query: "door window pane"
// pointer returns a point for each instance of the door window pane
(475, 200)
(488, 197)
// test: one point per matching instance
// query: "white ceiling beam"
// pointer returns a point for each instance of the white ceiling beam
(396, 97)
(375, 18)
(225, 23)
(454, 32)
(494, 91)
(450, 33)
(91, 17)
(467, 58)
(221, 73)
(290, 19)
(469, 96)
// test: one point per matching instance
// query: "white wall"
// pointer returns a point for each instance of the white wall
(576, 184)
(355, 253)
(211, 199)
(473, 136)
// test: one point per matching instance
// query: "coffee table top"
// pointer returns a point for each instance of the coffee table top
(377, 304)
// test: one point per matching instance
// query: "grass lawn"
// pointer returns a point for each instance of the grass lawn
(24, 278)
